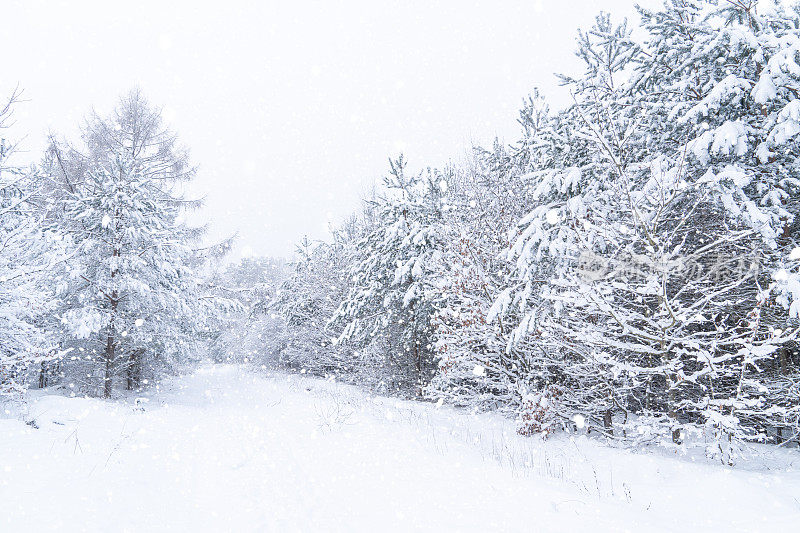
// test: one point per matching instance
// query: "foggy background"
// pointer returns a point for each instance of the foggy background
(291, 109)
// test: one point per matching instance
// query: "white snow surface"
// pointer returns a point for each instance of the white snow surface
(230, 449)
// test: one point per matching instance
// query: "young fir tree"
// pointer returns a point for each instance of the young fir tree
(387, 315)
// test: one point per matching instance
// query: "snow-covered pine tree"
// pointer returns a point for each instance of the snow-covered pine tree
(486, 200)
(386, 317)
(130, 301)
(567, 179)
(28, 256)
(727, 74)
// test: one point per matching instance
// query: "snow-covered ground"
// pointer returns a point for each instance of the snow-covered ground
(227, 449)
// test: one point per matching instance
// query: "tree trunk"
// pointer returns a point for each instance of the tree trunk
(608, 421)
(676, 432)
(110, 347)
(783, 355)
(129, 371)
(109, 358)
(784, 360)
(134, 365)
(43, 376)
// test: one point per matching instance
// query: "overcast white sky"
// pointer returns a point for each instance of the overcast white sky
(292, 108)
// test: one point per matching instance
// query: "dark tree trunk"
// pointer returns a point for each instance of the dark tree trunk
(607, 421)
(134, 369)
(109, 359)
(676, 432)
(43, 376)
(784, 360)
(110, 347)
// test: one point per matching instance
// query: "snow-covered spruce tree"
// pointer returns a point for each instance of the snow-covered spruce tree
(305, 303)
(387, 315)
(730, 76)
(565, 175)
(28, 256)
(485, 201)
(130, 301)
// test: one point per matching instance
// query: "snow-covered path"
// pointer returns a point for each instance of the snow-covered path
(225, 449)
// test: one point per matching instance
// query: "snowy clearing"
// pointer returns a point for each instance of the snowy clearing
(227, 449)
